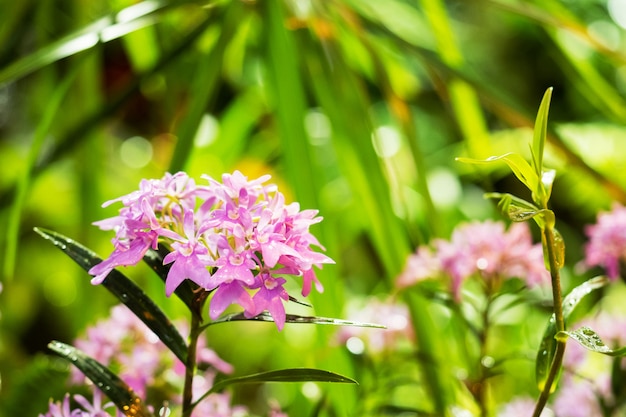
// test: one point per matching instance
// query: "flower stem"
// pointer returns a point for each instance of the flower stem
(190, 366)
(557, 361)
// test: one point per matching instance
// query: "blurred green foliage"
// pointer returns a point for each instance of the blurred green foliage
(356, 107)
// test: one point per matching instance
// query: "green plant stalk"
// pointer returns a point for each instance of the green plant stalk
(190, 366)
(557, 361)
(483, 388)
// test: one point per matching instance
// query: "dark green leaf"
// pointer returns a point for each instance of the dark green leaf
(126, 291)
(589, 339)
(292, 318)
(548, 342)
(109, 383)
(283, 375)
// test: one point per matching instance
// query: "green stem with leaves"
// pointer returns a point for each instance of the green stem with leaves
(549, 239)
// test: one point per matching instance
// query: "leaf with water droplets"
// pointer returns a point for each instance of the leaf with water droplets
(294, 318)
(126, 291)
(547, 348)
(110, 384)
(589, 339)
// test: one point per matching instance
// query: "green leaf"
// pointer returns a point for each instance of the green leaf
(589, 339)
(517, 209)
(540, 133)
(547, 347)
(126, 291)
(293, 318)
(109, 383)
(522, 170)
(281, 375)
(103, 30)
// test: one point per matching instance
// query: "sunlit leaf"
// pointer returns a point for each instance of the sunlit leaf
(106, 381)
(547, 347)
(522, 170)
(540, 132)
(293, 318)
(126, 291)
(590, 340)
(106, 29)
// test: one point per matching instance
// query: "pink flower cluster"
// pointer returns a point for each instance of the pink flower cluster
(84, 409)
(607, 241)
(235, 237)
(125, 343)
(122, 342)
(483, 249)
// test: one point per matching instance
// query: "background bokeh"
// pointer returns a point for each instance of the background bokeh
(356, 108)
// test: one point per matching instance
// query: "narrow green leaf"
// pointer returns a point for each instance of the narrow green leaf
(205, 85)
(284, 375)
(281, 375)
(126, 291)
(106, 381)
(522, 170)
(540, 133)
(293, 318)
(589, 339)
(102, 30)
(548, 342)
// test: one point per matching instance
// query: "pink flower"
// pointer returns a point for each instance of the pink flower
(607, 241)
(521, 406)
(189, 256)
(89, 409)
(270, 297)
(421, 265)
(483, 249)
(222, 237)
(578, 399)
(124, 342)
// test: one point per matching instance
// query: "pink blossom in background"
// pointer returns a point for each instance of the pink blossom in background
(581, 398)
(95, 408)
(483, 249)
(586, 381)
(607, 241)
(393, 315)
(521, 407)
(123, 342)
(222, 236)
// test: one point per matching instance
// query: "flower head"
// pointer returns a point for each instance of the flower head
(229, 237)
(607, 241)
(483, 249)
